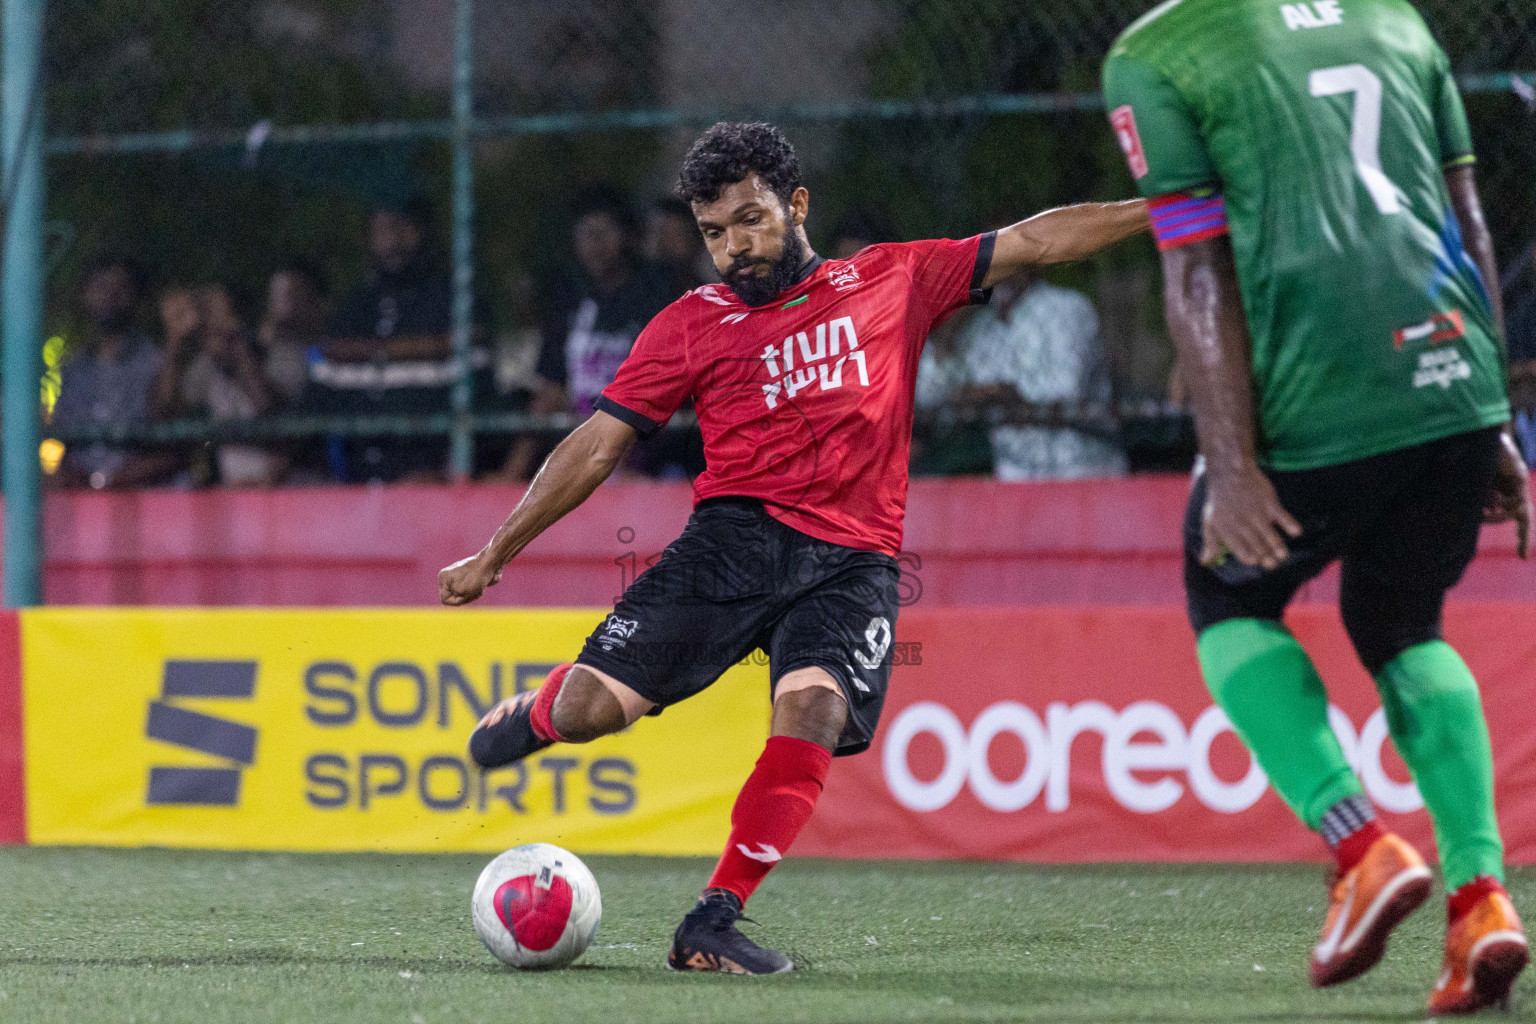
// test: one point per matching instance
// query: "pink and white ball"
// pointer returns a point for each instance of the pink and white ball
(537, 907)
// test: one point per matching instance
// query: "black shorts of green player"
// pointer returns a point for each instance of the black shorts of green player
(738, 581)
(1404, 526)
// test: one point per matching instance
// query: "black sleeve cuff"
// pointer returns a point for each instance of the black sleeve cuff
(644, 425)
(981, 296)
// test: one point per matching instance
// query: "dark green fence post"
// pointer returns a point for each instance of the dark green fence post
(462, 446)
(21, 298)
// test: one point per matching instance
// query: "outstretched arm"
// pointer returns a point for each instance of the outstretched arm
(1243, 515)
(1064, 234)
(569, 476)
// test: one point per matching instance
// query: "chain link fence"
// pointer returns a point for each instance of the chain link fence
(214, 141)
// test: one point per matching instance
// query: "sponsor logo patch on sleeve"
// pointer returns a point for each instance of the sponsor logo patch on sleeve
(1124, 121)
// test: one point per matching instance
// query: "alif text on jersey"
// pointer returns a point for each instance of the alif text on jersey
(1318, 14)
(813, 357)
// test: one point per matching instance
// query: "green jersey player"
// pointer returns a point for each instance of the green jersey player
(1328, 283)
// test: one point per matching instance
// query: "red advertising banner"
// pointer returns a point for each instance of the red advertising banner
(13, 827)
(1072, 735)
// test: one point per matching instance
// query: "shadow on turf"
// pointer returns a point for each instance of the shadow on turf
(918, 988)
(282, 958)
(1256, 1018)
(266, 958)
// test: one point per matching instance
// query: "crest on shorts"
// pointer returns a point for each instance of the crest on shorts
(616, 632)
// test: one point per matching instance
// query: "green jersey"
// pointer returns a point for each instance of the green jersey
(1326, 128)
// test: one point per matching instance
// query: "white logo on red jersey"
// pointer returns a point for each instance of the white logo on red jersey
(845, 278)
(815, 361)
(735, 318)
(711, 293)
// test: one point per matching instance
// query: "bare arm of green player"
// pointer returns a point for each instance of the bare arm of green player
(569, 476)
(1511, 498)
(1474, 233)
(1064, 234)
(1243, 515)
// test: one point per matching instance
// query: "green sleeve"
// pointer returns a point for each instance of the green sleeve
(1451, 118)
(1156, 128)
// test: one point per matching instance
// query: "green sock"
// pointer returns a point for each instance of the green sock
(1268, 687)
(1436, 720)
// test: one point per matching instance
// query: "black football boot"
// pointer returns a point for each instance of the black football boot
(708, 940)
(510, 738)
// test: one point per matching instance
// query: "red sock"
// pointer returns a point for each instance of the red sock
(538, 715)
(1352, 848)
(773, 807)
(1466, 897)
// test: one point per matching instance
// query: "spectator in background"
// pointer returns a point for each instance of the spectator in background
(293, 325)
(292, 334)
(391, 352)
(949, 439)
(214, 370)
(595, 313)
(1037, 343)
(860, 228)
(519, 340)
(108, 379)
(1520, 312)
(672, 240)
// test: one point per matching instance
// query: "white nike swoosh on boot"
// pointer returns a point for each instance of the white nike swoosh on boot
(768, 855)
(1330, 944)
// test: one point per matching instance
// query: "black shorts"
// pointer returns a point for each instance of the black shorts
(737, 581)
(1405, 525)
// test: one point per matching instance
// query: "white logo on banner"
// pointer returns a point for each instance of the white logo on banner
(1048, 757)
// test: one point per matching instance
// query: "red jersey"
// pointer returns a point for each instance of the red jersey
(806, 403)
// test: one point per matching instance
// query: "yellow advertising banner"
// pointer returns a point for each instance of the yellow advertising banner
(346, 730)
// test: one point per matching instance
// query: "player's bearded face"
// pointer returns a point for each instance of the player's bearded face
(757, 286)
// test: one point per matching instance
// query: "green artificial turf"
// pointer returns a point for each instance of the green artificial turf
(165, 936)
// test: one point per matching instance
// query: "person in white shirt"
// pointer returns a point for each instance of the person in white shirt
(1036, 343)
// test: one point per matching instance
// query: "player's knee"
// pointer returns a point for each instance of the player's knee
(1379, 636)
(811, 708)
(585, 710)
(1384, 619)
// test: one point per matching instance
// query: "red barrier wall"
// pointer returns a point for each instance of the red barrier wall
(1104, 745)
(13, 824)
(972, 542)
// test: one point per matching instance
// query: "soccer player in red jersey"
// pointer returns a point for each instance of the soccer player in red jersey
(802, 371)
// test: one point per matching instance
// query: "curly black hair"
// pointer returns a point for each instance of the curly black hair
(732, 150)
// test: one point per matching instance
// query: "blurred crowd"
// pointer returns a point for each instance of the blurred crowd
(383, 348)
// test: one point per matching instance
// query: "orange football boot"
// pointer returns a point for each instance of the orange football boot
(1368, 901)
(1485, 950)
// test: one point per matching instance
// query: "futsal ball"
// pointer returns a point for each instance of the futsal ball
(537, 907)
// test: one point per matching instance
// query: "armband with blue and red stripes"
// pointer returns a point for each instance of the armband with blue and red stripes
(1183, 218)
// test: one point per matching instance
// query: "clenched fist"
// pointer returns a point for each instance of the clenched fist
(464, 581)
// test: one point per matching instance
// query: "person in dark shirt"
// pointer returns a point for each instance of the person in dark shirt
(672, 239)
(860, 228)
(391, 352)
(109, 378)
(594, 314)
